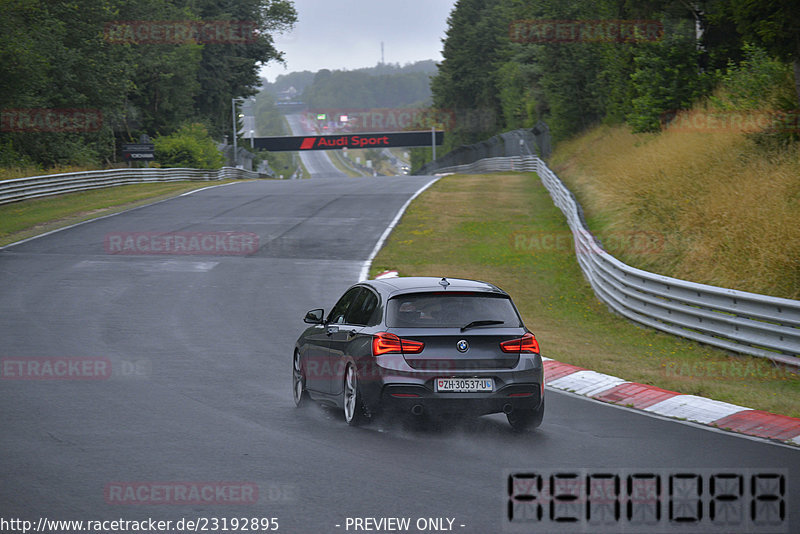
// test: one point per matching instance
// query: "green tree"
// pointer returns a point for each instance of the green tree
(476, 41)
(25, 30)
(56, 54)
(53, 56)
(190, 146)
(772, 24)
(666, 78)
(231, 70)
(757, 82)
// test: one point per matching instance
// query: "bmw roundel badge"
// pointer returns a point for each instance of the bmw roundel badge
(462, 346)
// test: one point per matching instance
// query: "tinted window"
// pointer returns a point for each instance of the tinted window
(339, 312)
(360, 312)
(450, 310)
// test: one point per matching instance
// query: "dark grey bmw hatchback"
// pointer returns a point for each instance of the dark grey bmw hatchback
(421, 345)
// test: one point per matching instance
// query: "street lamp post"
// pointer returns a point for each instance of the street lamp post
(235, 129)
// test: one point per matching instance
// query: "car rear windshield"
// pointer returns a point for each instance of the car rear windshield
(451, 309)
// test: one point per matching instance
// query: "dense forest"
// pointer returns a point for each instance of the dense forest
(133, 66)
(501, 57)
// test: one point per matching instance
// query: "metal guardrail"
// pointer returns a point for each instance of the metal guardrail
(54, 184)
(500, 164)
(521, 142)
(739, 321)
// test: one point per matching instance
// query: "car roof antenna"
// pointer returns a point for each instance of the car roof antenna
(444, 283)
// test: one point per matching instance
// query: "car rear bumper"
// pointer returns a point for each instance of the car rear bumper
(419, 399)
(414, 391)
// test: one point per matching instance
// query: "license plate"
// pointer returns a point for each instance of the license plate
(465, 385)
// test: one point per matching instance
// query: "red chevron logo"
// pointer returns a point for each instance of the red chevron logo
(308, 143)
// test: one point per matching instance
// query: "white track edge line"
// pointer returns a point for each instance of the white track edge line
(368, 262)
(111, 215)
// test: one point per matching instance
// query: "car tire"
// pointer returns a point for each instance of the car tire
(355, 413)
(299, 392)
(522, 420)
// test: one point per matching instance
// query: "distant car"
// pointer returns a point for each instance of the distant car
(404, 169)
(421, 345)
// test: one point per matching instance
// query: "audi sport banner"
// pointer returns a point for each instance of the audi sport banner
(332, 142)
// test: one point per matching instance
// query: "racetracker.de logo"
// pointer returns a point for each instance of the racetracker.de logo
(182, 243)
(381, 119)
(585, 31)
(633, 242)
(175, 32)
(728, 370)
(735, 121)
(180, 493)
(50, 120)
(58, 368)
(325, 369)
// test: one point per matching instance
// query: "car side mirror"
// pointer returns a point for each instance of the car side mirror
(314, 316)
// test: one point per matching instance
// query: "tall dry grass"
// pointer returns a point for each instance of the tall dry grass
(716, 208)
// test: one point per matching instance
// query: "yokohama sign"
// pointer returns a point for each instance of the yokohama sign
(332, 142)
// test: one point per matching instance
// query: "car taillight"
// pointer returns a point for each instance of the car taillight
(526, 343)
(385, 343)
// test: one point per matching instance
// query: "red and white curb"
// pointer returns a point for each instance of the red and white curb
(659, 401)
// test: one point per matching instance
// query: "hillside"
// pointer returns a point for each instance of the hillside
(676, 126)
(383, 86)
(369, 89)
(577, 64)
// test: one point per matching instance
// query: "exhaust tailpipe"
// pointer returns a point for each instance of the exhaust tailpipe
(417, 409)
(507, 408)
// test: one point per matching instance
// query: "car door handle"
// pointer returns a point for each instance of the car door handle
(332, 330)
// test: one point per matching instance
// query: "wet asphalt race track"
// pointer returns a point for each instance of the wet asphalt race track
(199, 348)
(317, 162)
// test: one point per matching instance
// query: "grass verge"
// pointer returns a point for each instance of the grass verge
(504, 229)
(21, 220)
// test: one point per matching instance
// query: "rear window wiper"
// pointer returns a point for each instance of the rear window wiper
(480, 323)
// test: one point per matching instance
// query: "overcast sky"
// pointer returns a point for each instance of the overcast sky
(347, 34)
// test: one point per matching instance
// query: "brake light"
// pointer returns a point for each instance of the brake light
(386, 343)
(412, 347)
(526, 343)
